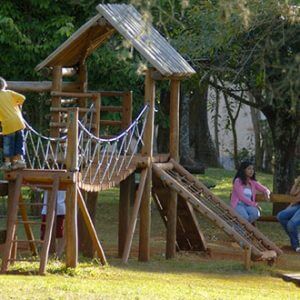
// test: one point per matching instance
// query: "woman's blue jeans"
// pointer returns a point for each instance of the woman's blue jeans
(250, 213)
(289, 218)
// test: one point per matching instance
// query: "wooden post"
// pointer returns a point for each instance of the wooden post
(82, 79)
(91, 228)
(145, 210)
(174, 153)
(135, 211)
(247, 253)
(127, 185)
(71, 195)
(86, 246)
(56, 101)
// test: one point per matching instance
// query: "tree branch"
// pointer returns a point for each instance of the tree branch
(230, 93)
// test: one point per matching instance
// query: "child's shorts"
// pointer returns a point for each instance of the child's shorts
(13, 144)
(59, 226)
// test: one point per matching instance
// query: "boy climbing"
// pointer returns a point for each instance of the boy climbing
(12, 128)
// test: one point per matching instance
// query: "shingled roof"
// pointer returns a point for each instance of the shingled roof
(129, 23)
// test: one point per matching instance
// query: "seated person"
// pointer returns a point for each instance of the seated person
(244, 192)
(289, 218)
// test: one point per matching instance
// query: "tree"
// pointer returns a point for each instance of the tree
(254, 45)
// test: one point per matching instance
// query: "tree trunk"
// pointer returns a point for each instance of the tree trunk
(216, 124)
(257, 138)
(201, 138)
(285, 132)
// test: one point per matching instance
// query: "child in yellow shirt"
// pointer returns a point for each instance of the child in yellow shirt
(12, 128)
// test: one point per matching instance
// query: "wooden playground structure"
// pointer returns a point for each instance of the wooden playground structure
(77, 159)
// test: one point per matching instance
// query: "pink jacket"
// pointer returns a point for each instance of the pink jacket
(238, 192)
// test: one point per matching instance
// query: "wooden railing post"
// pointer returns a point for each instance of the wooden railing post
(56, 100)
(71, 195)
(127, 185)
(145, 209)
(174, 153)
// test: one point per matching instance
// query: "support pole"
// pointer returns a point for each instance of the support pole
(145, 210)
(174, 153)
(56, 100)
(127, 187)
(71, 195)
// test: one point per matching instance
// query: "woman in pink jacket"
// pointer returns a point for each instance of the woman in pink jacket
(244, 191)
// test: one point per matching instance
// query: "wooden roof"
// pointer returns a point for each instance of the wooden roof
(129, 23)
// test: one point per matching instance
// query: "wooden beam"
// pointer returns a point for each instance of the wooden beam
(127, 186)
(174, 154)
(39, 86)
(133, 220)
(56, 100)
(278, 198)
(71, 195)
(147, 151)
(71, 227)
(91, 229)
(51, 209)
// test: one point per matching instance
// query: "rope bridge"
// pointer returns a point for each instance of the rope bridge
(99, 160)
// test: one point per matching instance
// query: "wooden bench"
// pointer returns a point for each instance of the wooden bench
(275, 198)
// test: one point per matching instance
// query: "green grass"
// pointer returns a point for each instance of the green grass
(188, 276)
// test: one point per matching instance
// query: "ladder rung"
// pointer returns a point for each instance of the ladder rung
(33, 204)
(28, 241)
(31, 222)
(66, 109)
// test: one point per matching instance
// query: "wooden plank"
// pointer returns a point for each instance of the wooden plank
(292, 277)
(75, 95)
(110, 123)
(66, 109)
(109, 108)
(278, 198)
(91, 229)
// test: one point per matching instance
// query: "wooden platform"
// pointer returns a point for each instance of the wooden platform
(295, 278)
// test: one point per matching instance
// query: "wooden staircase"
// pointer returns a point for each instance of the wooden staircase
(205, 202)
(18, 207)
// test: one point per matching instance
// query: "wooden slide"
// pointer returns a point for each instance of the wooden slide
(196, 195)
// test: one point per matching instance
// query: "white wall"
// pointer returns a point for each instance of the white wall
(244, 129)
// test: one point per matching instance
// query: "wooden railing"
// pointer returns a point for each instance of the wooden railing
(275, 198)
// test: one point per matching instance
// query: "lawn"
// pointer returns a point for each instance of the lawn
(189, 276)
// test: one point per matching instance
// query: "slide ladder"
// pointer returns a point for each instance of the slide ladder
(205, 202)
(17, 215)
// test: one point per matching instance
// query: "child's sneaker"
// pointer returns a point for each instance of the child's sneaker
(298, 249)
(19, 164)
(6, 166)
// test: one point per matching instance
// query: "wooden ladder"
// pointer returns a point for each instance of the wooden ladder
(189, 236)
(17, 205)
